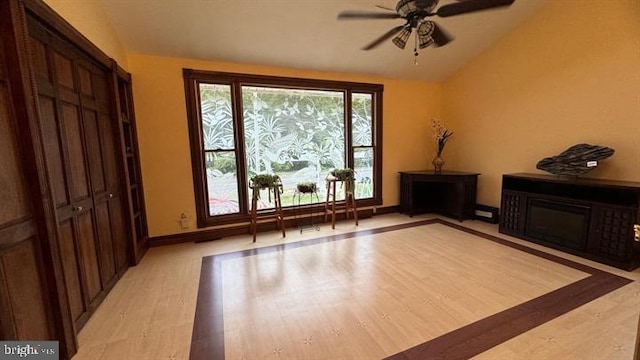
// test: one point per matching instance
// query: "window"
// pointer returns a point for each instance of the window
(300, 129)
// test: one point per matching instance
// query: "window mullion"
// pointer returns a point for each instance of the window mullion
(238, 125)
(348, 135)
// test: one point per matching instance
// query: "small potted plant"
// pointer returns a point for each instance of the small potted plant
(265, 181)
(342, 174)
(307, 187)
(347, 175)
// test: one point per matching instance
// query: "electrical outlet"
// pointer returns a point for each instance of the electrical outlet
(184, 221)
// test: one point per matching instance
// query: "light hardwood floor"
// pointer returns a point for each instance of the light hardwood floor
(362, 298)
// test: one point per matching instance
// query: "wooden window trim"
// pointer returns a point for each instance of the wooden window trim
(192, 79)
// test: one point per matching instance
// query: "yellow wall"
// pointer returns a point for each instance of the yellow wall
(568, 75)
(90, 19)
(158, 90)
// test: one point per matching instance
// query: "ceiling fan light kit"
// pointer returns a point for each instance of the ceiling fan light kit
(415, 14)
(401, 39)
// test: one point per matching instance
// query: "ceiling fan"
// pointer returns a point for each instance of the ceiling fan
(415, 14)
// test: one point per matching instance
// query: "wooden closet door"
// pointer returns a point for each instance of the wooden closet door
(63, 126)
(113, 181)
(100, 141)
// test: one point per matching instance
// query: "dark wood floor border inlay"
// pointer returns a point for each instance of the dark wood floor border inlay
(207, 341)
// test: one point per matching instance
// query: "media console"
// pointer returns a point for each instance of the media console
(586, 217)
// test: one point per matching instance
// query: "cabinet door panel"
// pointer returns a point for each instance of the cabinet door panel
(87, 244)
(611, 232)
(70, 269)
(25, 286)
(25, 300)
(12, 193)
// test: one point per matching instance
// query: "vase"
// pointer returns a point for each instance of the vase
(437, 162)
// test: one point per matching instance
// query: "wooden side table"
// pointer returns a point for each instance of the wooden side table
(275, 213)
(349, 200)
(451, 193)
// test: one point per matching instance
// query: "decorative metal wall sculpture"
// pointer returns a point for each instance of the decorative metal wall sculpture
(576, 160)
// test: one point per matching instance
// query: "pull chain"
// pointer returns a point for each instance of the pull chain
(415, 52)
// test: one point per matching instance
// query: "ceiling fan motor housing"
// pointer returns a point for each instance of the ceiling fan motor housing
(408, 8)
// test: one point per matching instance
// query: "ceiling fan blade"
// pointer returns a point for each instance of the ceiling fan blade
(439, 36)
(385, 8)
(468, 6)
(366, 15)
(388, 35)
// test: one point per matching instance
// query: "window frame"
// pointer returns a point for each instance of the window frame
(192, 80)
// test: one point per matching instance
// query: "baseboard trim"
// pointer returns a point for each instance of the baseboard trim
(387, 210)
(212, 234)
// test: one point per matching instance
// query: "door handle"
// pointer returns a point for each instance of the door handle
(110, 196)
(78, 209)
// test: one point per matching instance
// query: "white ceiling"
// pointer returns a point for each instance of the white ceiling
(303, 34)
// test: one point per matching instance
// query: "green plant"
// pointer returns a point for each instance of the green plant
(307, 187)
(264, 181)
(342, 174)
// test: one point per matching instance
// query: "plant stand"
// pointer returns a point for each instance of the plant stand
(275, 213)
(349, 203)
(300, 217)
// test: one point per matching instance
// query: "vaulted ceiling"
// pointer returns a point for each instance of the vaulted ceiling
(304, 34)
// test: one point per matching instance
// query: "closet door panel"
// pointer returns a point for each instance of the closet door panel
(108, 267)
(119, 233)
(92, 138)
(84, 77)
(39, 59)
(53, 150)
(64, 70)
(114, 196)
(87, 244)
(77, 161)
(96, 163)
(95, 112)
(109, 155)
(70, 268)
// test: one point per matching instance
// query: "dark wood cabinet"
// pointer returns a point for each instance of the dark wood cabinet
(24, 296)
(451, 193)
(68, 226)
(587, 217)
